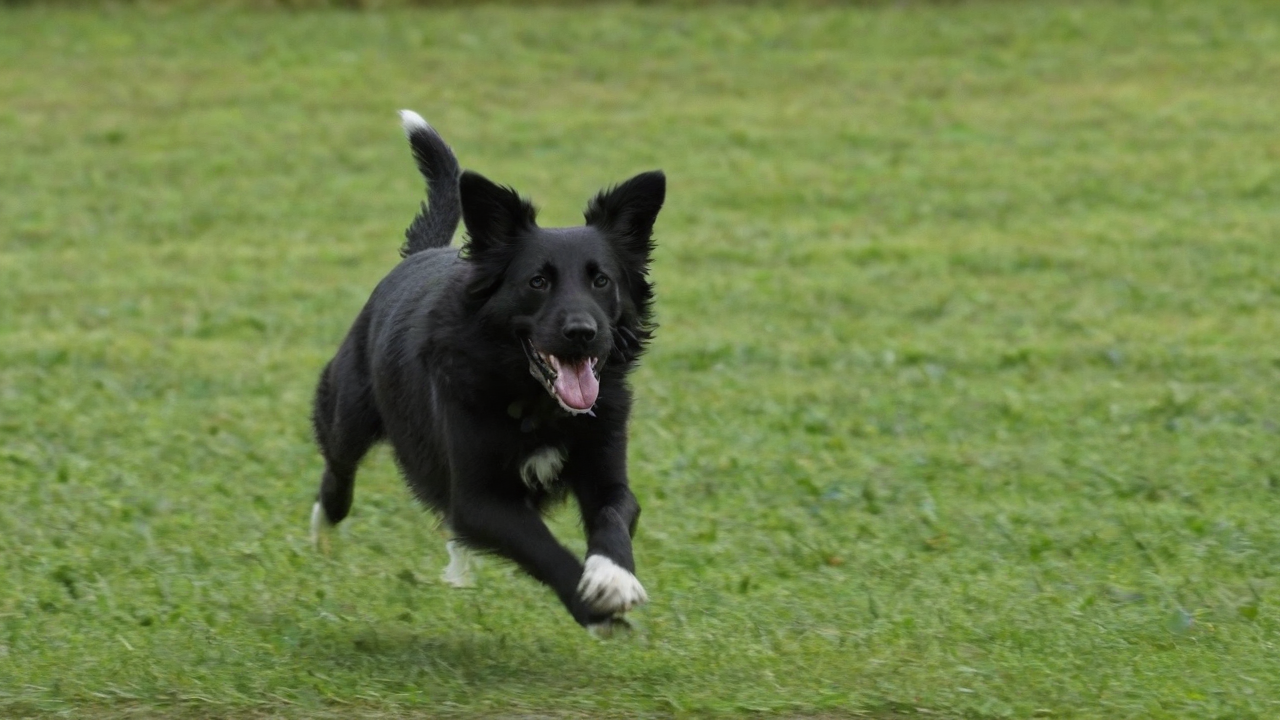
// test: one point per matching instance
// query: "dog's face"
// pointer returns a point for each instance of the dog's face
(567, 301)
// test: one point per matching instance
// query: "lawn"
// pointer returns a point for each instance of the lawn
(963, 404)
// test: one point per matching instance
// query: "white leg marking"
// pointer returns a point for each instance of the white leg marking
(412, 121)
(608, 588)
(458, 572)
(320, 527)
(542, 467)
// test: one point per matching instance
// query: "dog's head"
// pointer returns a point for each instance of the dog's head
(569, 301)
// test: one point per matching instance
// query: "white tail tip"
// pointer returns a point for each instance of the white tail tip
(412, 122)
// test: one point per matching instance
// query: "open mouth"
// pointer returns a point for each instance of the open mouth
(575, 385)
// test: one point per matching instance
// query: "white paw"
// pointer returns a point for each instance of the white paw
(458, 572)
(320, 528)
(606, 587)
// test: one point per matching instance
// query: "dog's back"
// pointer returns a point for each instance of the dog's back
(347, 415)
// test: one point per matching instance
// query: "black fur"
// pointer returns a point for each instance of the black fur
(434, 227)
(450, 362)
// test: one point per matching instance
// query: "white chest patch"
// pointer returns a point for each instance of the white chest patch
(542, 467)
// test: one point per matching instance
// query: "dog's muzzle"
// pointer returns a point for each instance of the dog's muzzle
(575, 385)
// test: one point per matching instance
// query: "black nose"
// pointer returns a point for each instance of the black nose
(580, 328)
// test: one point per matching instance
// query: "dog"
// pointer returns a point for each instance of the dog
(497, 373)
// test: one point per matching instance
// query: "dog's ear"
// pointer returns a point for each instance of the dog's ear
(494, 215)
(627, 212)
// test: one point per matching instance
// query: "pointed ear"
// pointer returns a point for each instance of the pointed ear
(627, 212)
(494, 215)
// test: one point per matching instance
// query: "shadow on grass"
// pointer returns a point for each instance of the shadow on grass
(471, 658)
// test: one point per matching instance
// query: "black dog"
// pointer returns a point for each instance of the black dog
(498, 375)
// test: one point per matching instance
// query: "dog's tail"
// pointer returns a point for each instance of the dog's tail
(438, 218)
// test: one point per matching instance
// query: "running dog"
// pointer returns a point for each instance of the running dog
(498, 374)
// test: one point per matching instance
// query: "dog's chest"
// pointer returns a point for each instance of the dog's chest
(540, 468)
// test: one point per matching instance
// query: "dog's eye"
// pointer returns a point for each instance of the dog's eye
(538, 282)
(601, 281)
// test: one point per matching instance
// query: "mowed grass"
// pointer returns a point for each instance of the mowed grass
(964, 399)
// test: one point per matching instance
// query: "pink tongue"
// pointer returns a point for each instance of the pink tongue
(577, 386)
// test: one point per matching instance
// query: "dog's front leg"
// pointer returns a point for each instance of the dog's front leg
(516, 531)
(609, 513)
(489, 511)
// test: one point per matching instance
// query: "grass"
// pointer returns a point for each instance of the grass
(964, 400)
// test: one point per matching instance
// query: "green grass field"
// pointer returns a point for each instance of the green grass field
(964, 401)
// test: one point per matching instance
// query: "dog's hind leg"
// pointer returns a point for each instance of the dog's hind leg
(347, 424)
(458, 572)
